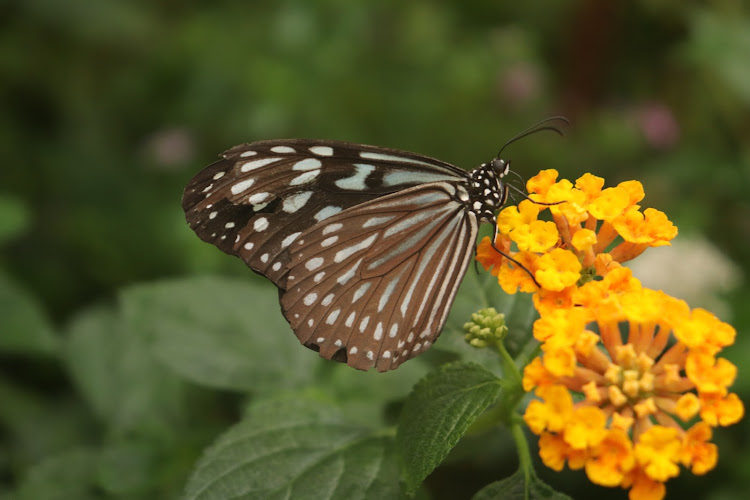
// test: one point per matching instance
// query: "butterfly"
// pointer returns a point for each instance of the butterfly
(367, 245)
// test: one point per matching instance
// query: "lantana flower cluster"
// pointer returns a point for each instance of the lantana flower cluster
(630, 383)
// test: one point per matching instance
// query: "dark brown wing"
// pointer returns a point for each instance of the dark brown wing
(260, 197)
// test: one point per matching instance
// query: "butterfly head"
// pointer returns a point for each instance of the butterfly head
(500, 167)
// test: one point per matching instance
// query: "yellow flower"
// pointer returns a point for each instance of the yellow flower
(538, 236)
(551, 415)
(554, 452)
(586, 220)
(639, 379)
(557, 269)
(586, 428)
(610, 459)
(541, 183)
(638, 363)
(610, 203)
(697, 453)
(658, 452)
(513, 217)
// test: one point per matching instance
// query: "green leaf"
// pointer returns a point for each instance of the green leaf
(438, 412)
(119, 377)
(128, 467)
(37, 424)
(219, 332)
(14, 218)
(61, 477)
(516, 488)
(363, 396)
(24, 326)
(295, 448)
(480, 290)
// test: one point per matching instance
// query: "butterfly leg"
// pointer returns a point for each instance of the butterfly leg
(531, 275)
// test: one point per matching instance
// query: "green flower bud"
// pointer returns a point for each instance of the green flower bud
(486, 327)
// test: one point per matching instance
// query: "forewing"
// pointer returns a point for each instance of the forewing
(260, 197)
(373, 284)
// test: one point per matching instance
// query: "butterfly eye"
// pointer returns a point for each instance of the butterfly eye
(500, 166)
(367, 245)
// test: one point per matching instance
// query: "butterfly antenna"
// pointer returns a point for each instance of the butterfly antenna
(539, 127)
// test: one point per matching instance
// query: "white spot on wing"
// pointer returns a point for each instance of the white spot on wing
(213, 214)
(296, 201)
(333, 316)
(344, 278)
(357, 181)
(289, 239)
(304, 178)
(229, 225)
(307, 164)
(314, 263)
(377, 221)
(219, 175)
(378, 332)
(353, 350)
(371, 155)
(404, 177)
(363, 324)
(350, 319)
(327, 299)
(260, 206)
(332, 227)
(248, 153)
(327, 212)
(344, 254)
(256, 198)
(242, 186)
(329, 241)
(264, 258)
(394, 330)
(282, 149)
(310, 298)
(361, 291)
(388, 292)
(276, 266)
(249, 246)
(322, 150)
(319, 276)
(260, 224)
(253, 164)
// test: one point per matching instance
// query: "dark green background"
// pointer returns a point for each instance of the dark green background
(109, 107)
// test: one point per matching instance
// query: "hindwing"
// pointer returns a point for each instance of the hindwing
(373, 284)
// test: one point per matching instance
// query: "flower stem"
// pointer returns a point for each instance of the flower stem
(510, 369)
(524, 453)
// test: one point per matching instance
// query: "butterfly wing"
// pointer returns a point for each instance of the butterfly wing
(260, 197)
(373, 285)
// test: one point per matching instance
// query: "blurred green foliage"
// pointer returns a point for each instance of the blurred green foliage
(109, 107)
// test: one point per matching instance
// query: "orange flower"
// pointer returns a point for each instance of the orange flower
(639, 379)
(638, 363)
(586, 220)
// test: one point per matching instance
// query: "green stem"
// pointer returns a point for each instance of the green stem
(510, 369)
(524, 455)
